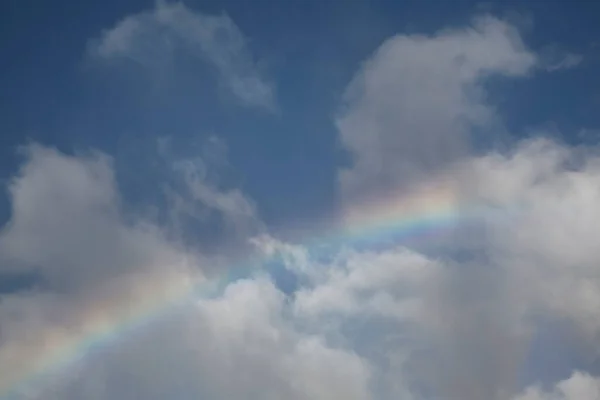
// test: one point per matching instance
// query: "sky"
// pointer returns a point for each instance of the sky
(366, 199)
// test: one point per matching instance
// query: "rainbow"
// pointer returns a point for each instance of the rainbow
(36, 361)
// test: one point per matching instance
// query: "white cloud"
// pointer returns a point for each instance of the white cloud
(551, 243)
(235, 346)
(407, 120)
(362, 325)
(409, 110)
(578, 386)
(66, 223)
(96, 269)
(463, 329)
(451, 328)
(369, 283)
(151, 37)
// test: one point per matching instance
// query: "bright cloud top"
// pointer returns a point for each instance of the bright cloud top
(411, 109)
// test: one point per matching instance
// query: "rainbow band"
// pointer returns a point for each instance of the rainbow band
(35, 364)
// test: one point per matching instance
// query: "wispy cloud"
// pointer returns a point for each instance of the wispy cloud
(151, 36)
(568, 61)
(555, 58)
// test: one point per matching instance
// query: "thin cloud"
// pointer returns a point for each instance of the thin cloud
(152, 36)
(568, 61)
(555, 58)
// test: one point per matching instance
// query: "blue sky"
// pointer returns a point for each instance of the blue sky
(444, 154)
(52, 95)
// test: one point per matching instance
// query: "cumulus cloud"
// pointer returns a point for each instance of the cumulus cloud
(461, 328)
(66, 223)
(152, 37)
(409, 117)
(98, 270)
(236, 346)
(410, 109)
(551, 244)
(361, 324)
(66, 227)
